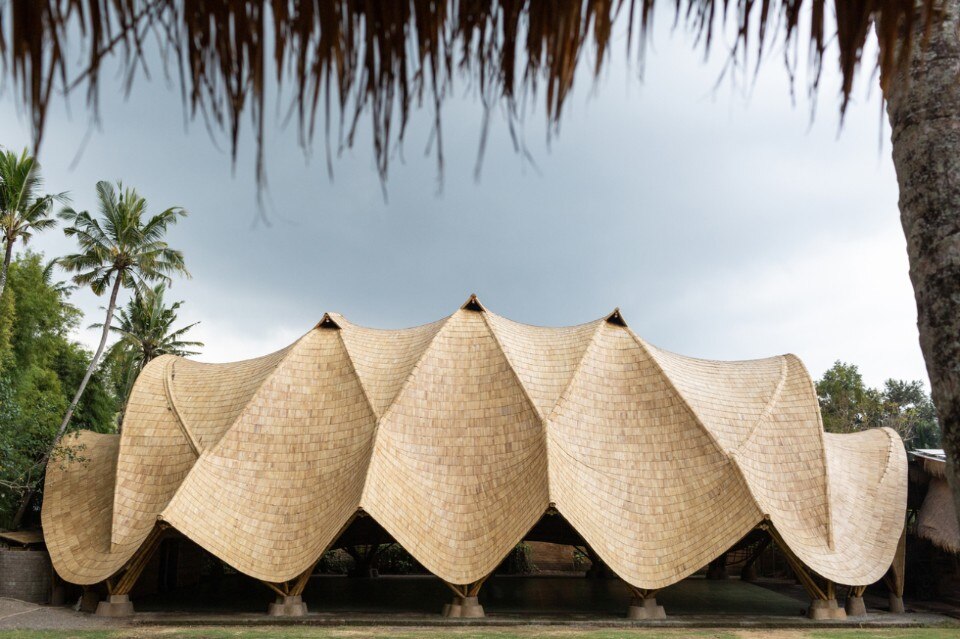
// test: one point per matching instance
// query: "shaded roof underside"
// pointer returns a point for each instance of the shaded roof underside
(456, 436)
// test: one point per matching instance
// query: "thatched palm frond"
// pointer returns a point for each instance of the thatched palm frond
(384, 58)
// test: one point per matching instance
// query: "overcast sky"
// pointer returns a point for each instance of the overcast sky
(724, 223)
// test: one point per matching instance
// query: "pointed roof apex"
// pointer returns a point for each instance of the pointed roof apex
(327, 322)
(473, 304)
(616, 318)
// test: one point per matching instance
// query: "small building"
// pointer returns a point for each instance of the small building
(934, 534)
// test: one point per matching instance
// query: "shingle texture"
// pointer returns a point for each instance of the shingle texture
(457, 436)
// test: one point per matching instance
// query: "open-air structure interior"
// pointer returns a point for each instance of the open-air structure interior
(459, 439)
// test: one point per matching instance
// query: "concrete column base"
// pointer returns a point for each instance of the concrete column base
(115, 606)
(645, 609)
(855, 607)
(896, 604)
(290, 606)
(463, 607)
(826, 609)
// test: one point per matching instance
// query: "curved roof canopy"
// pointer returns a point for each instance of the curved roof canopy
(457, 436)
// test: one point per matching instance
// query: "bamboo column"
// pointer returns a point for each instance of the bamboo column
(466, 602)
(823, 604)
(895, 576)
(644, 605)
(118, 602)
(289, 601)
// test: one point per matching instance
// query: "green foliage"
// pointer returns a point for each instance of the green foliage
(394, 559)
(40, 367)
(848, 405)
(518, 562)
(23, 210)
(122, 241)
(145, 327)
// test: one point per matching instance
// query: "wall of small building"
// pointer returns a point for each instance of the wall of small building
(25, 574)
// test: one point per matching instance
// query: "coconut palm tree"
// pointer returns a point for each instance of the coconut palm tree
(384, 58)
(23, 211)
(145, 327)
(121, 247)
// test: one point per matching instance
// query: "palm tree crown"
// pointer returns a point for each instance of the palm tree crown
(145, 326)
(121, 244)
(23, 211)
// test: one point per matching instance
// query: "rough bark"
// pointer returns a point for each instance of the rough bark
(28, 496)
(923, 104)
(7, 255)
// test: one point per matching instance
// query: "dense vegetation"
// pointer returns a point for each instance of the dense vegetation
(40, 369)
(847, 405)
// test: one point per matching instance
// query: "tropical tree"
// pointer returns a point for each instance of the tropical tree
(23, 210)
(40, 367)
(847, 405)
(121, 247)
(145, 327)
(382, 58)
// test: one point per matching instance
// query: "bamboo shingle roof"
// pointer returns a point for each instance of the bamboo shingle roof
(457, 437)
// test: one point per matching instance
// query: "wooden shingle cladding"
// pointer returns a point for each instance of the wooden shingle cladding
(457, 436)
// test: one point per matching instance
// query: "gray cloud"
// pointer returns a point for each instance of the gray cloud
(724, 227)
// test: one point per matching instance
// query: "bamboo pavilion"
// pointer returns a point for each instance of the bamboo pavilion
(457, 437)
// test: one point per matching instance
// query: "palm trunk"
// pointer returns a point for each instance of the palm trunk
(28, 496)
(923, 104)
(7, 255)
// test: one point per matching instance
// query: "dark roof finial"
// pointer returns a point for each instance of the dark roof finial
(616, 318)
(473, 304)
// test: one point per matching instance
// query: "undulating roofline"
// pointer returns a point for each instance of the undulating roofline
(457, 436)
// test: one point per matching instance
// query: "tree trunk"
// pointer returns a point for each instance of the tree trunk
(7, 254)
(923, 104)
(28, 496)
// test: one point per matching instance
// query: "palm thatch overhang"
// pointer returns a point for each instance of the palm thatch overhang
(457, 437)
(936, 517)
(349, 60)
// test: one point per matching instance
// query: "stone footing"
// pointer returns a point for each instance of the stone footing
(645, 609)
(896, 604)
(290, 606)
(115, 606)
(855, 607)
(464, 607)
(826, 609)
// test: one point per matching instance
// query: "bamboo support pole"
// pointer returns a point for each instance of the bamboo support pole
(799, 569)
(274, 587)
(134, 569)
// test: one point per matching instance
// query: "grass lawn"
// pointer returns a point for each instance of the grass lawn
(532, 632)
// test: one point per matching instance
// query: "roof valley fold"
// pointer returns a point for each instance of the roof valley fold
(455, 437)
